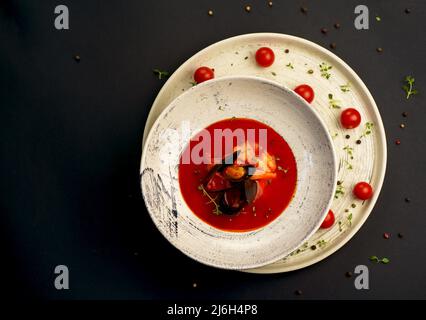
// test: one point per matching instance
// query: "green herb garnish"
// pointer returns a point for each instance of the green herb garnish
(368, 129)
(273, 73)
(349, 151)
(289, 65)
(409, 87)
(310, 71)
(333, 102)
(304, 247)
(340, 190)
(324, 69)
(321, 243)
(374, 259)
(216, 210)
(161, 74)
(348, 164)
(349, 218)
(377, 260)
(345, 87)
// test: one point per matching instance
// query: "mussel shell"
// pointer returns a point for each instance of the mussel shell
(251, 189)
(232, 200)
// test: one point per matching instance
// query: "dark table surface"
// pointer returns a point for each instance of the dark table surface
(71, 144)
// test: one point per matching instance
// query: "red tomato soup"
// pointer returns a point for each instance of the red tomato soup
(246, 188)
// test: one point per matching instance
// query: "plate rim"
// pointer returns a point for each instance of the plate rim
(382, 148)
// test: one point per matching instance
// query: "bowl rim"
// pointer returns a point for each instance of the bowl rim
(288, 91)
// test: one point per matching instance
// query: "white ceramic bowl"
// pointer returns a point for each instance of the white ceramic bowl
(244, 97)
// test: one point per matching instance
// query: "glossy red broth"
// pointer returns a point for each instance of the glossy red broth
(277, 192)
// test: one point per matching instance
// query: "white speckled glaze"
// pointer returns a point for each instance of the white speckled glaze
(235, 56)
(287, 114)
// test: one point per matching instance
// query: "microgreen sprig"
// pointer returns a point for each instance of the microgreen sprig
(340, 191)
(368, 129)
(349, 166)
(409, 87)
(216, 210)
(289, 65)
(161, 74)
(349, 218)
(333, 102)
(321, 243)
(378, 260)
(349, 151)
(324, 69)
(345, 87)
(303, 248)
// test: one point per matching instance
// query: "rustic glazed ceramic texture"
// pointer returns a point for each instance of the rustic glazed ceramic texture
(235, 56)
(241, 97)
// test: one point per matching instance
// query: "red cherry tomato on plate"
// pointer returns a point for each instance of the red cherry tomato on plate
(350, 118)
(203, 74)
(363, 190)
(328, 221)
(306, 92)
(265, 57)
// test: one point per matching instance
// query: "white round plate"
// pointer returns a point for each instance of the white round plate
(241, 97)
(235, 56)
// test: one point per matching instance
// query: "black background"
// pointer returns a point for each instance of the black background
(71, 144)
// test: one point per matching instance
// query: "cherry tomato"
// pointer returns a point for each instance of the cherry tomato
(350, 118)
(363, 191)
(265, 57)
(328, 221)
(306, 92)
(203, 74)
